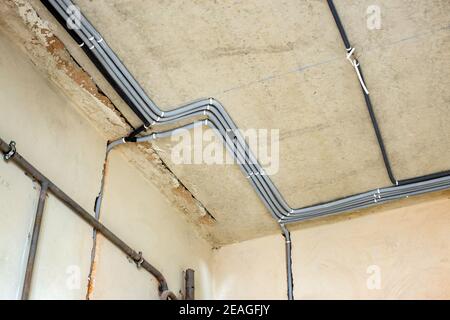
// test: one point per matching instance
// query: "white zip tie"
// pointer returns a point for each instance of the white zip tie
(101, 39)
(123, 140)
(206, 122)
(91, 38)
(81, 45)
(153, 123)
(92, 47)
(210, 100)
(154, 135)
(355, 65)
(204, 112)
(162, 114)
(157, 120)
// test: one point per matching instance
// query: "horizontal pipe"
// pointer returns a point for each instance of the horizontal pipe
(86, 216)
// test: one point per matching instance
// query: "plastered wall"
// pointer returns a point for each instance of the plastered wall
(397, 252)
(56, 139)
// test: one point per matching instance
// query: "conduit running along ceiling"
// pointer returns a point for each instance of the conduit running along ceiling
(299, 83)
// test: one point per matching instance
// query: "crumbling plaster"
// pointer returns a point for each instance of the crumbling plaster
(36, 37)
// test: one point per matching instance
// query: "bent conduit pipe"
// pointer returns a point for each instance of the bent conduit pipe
(23, 164)
(209, 108)
(217, 118)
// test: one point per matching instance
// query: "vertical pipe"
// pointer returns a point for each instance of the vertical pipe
(34, 241)
(288, 245)
(190, 284)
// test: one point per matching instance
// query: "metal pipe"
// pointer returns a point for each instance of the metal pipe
(189, 279)
(86, 216)
(34, 241)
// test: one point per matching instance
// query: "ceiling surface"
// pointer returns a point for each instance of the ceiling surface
(281, 65)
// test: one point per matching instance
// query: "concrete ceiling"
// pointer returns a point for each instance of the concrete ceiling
(263, 57)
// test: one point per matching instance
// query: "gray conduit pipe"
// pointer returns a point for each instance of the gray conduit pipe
(213, 110)
(220, 120)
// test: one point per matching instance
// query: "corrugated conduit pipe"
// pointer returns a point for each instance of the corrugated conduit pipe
(217, 118)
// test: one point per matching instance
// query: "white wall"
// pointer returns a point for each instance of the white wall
(135, 210)
(52, 135)
(56, 139)
(408, 245)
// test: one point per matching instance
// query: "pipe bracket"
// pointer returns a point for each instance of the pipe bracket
(140, 261)
(11, 152)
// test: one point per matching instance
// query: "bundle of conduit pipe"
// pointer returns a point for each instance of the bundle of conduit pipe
(213, 114)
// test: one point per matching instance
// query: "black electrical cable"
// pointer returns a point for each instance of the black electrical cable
(373, 118)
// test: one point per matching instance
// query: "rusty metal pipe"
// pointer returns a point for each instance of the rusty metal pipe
(34, 241)
(189, 285)
(86, 216)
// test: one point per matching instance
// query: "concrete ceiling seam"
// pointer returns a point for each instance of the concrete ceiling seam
(219, 120)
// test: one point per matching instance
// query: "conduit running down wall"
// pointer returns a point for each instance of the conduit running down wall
(216, 117)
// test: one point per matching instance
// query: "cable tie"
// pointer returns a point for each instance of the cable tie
(81, 44)
(288, 241)
(350, 53)
(91, 38)
(162, 114)
(204, 112)
(154, 135)
(92, 47)
(355, 65)
(210, 100)
(396, 182)
(123, 140)
(101, 39)
(153, 123)
(157, 120)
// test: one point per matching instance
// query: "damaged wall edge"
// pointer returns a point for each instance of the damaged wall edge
(23, 24)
